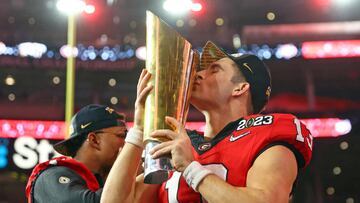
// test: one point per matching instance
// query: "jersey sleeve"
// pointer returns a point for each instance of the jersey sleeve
(61, 184)
(288, 130)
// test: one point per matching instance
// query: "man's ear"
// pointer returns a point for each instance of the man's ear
(240, 88)
(93, 140)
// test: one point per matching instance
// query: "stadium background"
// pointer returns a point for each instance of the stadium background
(311, 46)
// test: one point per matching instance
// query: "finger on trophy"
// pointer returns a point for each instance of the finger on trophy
(144, 93)
(143, 82)
(163, 134)
(161, 150)
(170, 123)
(143, 72)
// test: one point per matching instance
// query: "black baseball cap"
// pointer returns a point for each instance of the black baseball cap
(88, 119)
(255, 71)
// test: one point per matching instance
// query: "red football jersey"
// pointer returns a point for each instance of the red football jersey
(231, 153)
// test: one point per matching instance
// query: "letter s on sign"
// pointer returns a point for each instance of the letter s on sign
(25, 156)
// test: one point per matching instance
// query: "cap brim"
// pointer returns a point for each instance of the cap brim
(64, 147)
(210, 54)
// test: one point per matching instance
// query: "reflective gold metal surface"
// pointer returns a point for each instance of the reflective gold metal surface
(170, 61)
(173, 64)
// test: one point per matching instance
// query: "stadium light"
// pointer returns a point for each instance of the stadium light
(141, 53)
(32, 49)
(10, 80)
(343, 126)
(177, 7)
(67, 51)
(71, 7)
(89, 9)
(331, 49)
(2, 48)
(196, 7)
(286, 51)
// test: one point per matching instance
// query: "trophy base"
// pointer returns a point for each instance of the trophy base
(155, 170)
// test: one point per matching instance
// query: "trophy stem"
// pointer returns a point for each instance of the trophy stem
(155, 170)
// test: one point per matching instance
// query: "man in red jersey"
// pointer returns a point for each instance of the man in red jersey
(243, 156)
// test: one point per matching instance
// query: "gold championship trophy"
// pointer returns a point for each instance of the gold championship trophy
(172, 63)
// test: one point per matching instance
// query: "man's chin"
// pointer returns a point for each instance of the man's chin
(194, 100)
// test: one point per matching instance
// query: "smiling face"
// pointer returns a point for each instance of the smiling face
(214, 85)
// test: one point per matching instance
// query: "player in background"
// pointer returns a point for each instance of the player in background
(97, 134)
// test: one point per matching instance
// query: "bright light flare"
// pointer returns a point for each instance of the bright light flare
(328, 127)
(89, 9)
(236, 41)
(112, 82)
(343, 126)
(196, 7)
(36, 129)
(10, 80)
(177, 7)
(331, 49)
(66, 51)
(32, 49)
(2, 48)
(56, 80)
(114, 100)
(270, 16)
(71, 7)
(286, 51)
(141, 53)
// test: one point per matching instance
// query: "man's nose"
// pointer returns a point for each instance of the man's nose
(199, 76)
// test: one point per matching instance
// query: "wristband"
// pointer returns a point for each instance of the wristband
(135, 137)
(195, 173)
